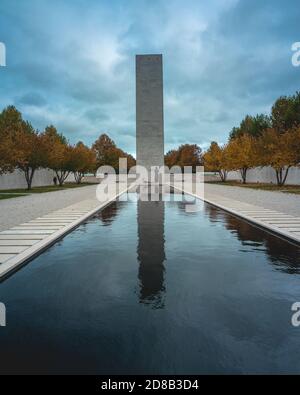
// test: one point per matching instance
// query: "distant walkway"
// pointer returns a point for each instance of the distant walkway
(23, 209)
(283, 202)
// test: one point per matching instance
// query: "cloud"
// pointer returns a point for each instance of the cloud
(71, 63)
(96, 114)
(31, 99)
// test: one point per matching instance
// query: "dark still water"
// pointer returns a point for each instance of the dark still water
(146, 288)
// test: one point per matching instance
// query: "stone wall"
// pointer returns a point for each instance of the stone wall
(267, 175)
(17, 180)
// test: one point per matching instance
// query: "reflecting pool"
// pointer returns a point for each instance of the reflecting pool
(148, 288)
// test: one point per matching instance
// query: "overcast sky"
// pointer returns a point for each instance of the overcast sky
(72, 63)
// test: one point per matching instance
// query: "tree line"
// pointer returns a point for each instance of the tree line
(26, 149)
(261, 140)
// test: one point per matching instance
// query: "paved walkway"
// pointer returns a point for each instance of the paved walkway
(22, 209)
(284, 202)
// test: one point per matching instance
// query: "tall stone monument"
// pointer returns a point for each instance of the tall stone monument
(149, 111)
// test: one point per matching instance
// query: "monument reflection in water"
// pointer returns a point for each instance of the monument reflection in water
(151, 252)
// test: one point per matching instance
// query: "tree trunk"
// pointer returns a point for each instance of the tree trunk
(286, 174)
(281, 175)
(277, 177)
(243, 172)
(29, 173)
(61, 176)
(223, 175)
(78, 177)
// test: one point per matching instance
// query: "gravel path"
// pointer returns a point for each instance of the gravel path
(23, 209)
(287, 203)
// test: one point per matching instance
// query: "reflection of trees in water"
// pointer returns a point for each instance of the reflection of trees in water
(284, 255)
(106, 216)
(109, 213)
(151, 253)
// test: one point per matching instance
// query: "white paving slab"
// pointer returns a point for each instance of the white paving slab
(36, 227)
(280, 216)
(21, 237)
(17, 242)
(27, 232)
(5, 257)
(11, 249)
(68, 219)
(49, 221)
(288, 226)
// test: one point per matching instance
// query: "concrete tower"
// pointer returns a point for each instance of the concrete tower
(149, 111)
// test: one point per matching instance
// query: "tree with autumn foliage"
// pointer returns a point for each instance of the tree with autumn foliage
(82, 161)
(216, 160)
(11, 122)
(281, 151)
(185, 155)
(108, 154)
(58, 155)
(21, 146)
(131, 162)
(30, 152)
(102, 147)
(241, 154)
(171, 158)
(285, 113)
(279, 145)
(189, 155)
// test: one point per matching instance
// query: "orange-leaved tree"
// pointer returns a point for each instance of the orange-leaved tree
(11, 123)
(30, 152)
(103, 147)
(280, 151)
(185, 155)
(108, 154)
(242, 154)
(189, 155)
(58, 156)
(215, 159)
(21, 146)
(172, 158)
(82, 161)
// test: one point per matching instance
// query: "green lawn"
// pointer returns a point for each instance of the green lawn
(266, 187)
(14, 193)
